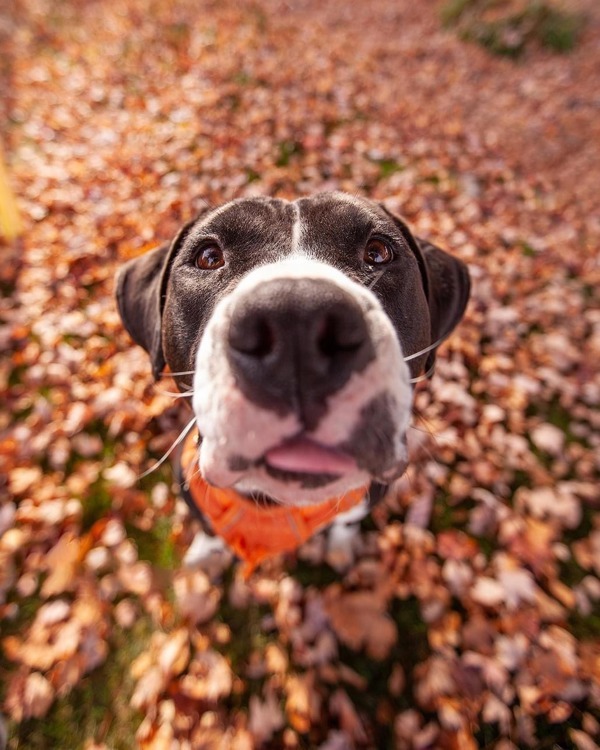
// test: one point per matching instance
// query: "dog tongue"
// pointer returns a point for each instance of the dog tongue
(307, 457)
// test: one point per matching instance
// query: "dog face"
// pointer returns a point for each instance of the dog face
(303, 324)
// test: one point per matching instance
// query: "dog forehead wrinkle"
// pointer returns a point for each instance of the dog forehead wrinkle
(336, 197)
(246, 223)
(338, 219)
(338, 212)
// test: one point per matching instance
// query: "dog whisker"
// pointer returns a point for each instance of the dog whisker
(178, 440)
(375, 280)
(429, 456)
(420, 429)
(427, 429)
(424, 376)
(192, 470)
(185, 394)
(169, 374)
(427, 348)
(261, 502)
(191, 476)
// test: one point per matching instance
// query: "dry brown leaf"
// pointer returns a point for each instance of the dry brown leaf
(29, 696)
(548, 438)
(196, 598)
(208, 677)
(62, 562)
(149, 687)
(174, 653)
(433, 680)
(360, 619)
(136, 578)
(462, 739)
(487, 591)
(396, 681)
(341, 706)
(265, 717)
(276, 659)
(24, 478)
(582, 740)
(456, 545)
(300, 701)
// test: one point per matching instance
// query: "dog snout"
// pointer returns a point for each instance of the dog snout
(294, 342)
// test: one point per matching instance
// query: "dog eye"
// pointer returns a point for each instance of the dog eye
(210, 258)
(377, 253)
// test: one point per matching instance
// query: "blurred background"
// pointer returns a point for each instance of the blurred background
(469, 616)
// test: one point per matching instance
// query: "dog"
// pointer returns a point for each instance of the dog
(298, 329)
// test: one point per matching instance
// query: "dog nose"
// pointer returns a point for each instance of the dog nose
(294, 342)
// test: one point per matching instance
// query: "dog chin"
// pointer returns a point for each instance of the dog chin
(390, 475)
(301, 490)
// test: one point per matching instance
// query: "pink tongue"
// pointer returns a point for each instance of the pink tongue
(305, 456)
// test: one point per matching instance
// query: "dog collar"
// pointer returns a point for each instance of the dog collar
(253, 532)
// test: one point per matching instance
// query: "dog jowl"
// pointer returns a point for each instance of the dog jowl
(300, 327)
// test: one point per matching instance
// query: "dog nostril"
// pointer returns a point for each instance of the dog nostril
(263, 341)
(254, 337)
(336, 336)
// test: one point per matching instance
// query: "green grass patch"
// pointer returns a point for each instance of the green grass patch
(177, 34)
(556, 414)
(585, 627)
(388, 166)
(447, 514)
(506, 27)
(28, 608)
(320, 575)
(96, 504)
(156, 545)
(411, 649)
(286, 150)
(252, 176)
(242, 78)
(527, 250)
(245, 623)
(16, 375)
(97, 708)
(570, 572)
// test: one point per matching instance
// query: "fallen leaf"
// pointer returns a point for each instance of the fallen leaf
(359, 619)
(300, 700)
(265, 717)
(62, 562)
(208, 677)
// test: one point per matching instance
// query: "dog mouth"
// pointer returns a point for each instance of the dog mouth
(303, 456)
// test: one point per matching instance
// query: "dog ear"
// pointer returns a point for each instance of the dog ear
(141, 287)
(446, 284)
(449, 289)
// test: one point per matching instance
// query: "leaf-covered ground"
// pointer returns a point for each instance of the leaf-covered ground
(470, 616)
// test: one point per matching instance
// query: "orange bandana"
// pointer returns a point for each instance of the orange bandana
(255, 533)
